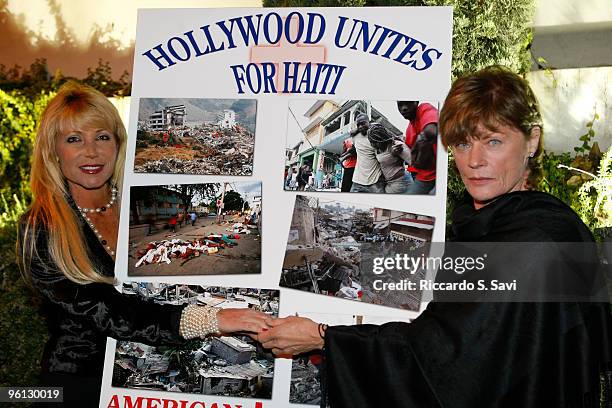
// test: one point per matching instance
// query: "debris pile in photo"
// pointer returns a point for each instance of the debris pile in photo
(214, 366)
(206, 149)
(228, 365)
(305, 387)
(328, 244)
(322, 255)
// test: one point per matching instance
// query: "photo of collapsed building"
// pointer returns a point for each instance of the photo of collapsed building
(195, 136)
(233, 366)
(195, 229)
(332, 246)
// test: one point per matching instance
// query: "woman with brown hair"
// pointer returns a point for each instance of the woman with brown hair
(67, 246)
(490, 353)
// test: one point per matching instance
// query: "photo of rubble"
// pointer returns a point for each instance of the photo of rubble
(195, 229)
(325, 138)
(196, 136)
(233, 366)
(332, 246)
(305, 386)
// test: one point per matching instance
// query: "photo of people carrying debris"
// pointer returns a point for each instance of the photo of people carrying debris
(332, 247)
(234, 366)
(196, 136)
(361, 146)
(195, 229)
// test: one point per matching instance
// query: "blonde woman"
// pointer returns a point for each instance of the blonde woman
(67, 246)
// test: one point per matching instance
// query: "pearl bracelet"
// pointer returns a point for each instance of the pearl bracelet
(199, 322)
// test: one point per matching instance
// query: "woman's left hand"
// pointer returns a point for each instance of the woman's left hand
(291, 335)
(241, 320)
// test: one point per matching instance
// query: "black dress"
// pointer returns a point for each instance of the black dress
(459, 355)
(80, 317)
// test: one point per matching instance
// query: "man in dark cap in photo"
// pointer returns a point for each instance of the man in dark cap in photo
(367, 176)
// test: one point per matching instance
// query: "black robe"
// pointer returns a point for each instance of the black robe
(524, 355)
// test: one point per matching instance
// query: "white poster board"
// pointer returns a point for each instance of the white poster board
(278, 57)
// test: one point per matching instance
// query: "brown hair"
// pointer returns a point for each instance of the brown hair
(491, 97)
(74, 106)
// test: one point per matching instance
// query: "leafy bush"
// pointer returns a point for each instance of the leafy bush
(22, 331)
(571, 179)
(18, 120)
(595, 196)
(487, 33)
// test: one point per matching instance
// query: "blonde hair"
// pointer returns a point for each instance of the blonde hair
(74, 106)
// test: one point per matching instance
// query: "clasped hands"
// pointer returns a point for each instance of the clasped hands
(291, 335)
(284, 336)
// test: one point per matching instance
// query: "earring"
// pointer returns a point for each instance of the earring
(531, 155)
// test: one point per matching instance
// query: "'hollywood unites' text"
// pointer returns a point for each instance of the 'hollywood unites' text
(295, 28)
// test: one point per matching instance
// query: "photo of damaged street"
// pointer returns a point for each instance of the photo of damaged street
(332, 246)
(195, 229)
(195, 136)
(233, 366)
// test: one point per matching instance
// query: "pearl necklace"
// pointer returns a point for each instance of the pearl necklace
(104, 207)
(84, 211)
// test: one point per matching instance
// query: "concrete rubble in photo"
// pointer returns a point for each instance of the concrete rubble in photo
(231, 365)
(329, 243)
(321, 255)
(403, 299)
(305, 387)
(205, 149)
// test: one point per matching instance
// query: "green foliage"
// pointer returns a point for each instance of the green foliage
(490, 32)
(548, 70)
(36, 79)
(595, 196)
(587, 138)
(22, 331)
(18, 121)
(101, 78)
(11, 210)
(570, 179)
(554, 178)
(232, 201)
(31, 81)
(186, 192)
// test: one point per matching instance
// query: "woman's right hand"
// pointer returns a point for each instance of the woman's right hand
(292, 335)
(241, 320)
